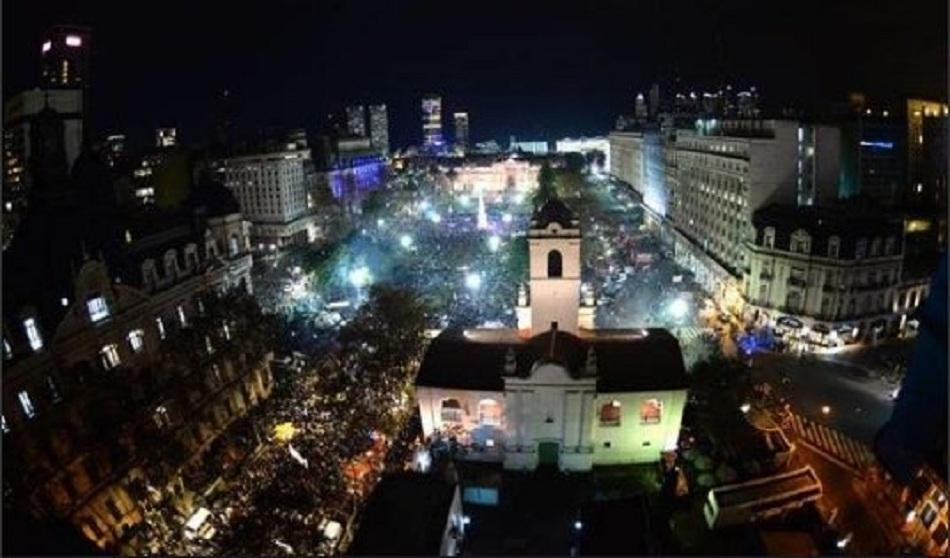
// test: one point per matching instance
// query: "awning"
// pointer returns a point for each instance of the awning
(790, 322)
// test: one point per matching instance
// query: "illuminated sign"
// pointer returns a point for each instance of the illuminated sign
(73, 40)
(47, 45)
(878, 144)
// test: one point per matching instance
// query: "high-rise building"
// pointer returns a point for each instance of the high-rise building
(872, 155)
(461, 130)
(356, 120)
(379, 128)
(20, 113)
(926, 153)
(272, 189)
(432, 123)
(64, 57)
(166, 137)
(114, 149)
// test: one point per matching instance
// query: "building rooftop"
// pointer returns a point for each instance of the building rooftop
(553, 211)
(626, 360)
(406, 514)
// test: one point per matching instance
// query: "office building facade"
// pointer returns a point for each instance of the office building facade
(379, 128)
(432, 139)
(461, 131)
(272, 189)
(356, 120)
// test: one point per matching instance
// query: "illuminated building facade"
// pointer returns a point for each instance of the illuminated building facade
(585, 146)
(461, 131)
(837, 270)
(555, 391)
(532, 147)
(114, 149)
(432, 139)
(494, 178)
(166, 137)
(272, 188)
(356, 120)
(379, 128)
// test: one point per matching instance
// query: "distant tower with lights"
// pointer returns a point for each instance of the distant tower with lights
(379, 128)
(461, 131)
(64, 57)
(356, 120)
(432, 123)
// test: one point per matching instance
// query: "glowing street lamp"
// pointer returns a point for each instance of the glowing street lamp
(494, 242)
(679, 308)
(825, 409)
(473, 281)
(360, 277)
(435, 217)
(745, 407)
(506, 217)
(405, 241)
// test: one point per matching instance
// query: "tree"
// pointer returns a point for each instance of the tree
(574, 162)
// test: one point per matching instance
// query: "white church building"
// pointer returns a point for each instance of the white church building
(555, 391)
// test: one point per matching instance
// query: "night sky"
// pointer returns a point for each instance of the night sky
(536, 70)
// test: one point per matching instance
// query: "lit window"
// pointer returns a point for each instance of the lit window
(226, 330)
(33, 334)
(451, 411)
(26, 404)
(47, 45)
(181, 316)
(651, 411)
(860, 248)
(7, 350)
(489, 412)
(610, 414)
(137, 340)
(834, 243)
(110, 356)
(161, 417)
(208, 346)
(73, 40)
(3, 421)
(160, 325)
(98, 309)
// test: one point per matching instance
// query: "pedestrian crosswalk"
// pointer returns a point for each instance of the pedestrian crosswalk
(830, 441)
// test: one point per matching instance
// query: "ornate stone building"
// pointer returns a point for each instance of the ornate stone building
(120, 363)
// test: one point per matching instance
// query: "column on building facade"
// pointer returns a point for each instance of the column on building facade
(587, 418)
(573, 415)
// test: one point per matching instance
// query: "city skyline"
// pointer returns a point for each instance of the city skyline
(513, 80)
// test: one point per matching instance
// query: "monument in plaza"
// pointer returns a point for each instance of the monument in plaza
(555, 390)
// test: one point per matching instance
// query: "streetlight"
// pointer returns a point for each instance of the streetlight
(745, 407)
(405, 241)
(360, 277)
(506, 217)
(494, 243)
(679, 308)
(578, 525)
(825, 409)
(473, 281)
(435, 217)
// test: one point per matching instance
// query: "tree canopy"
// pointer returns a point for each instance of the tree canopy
(546, 189)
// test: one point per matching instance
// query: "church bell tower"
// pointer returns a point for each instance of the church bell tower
(554, 246)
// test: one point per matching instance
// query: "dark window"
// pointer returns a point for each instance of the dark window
(554, 263)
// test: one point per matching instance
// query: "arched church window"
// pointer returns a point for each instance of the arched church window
(489, 412)
(610, 414)
(554, 263)
(451, 411)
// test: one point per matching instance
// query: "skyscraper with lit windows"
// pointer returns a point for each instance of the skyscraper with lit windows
(379, 128)
(356, 120)
(461, 130)
(432, 123)
(64, 57)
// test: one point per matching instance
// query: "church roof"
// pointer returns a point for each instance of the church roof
(553, 211)
(626, 360)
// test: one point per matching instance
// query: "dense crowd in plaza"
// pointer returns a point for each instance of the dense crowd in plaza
(313, 451)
